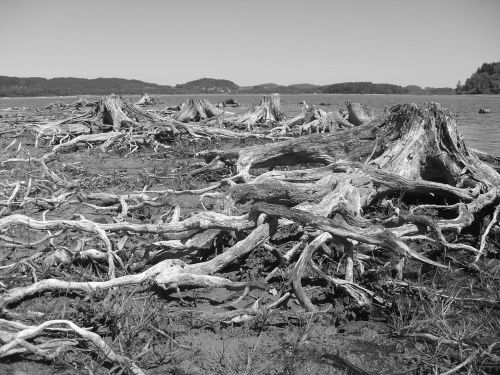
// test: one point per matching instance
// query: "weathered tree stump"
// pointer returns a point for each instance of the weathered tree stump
(267, 111)
(146, 99)
(359, 114)
(414, 149)
(230, 103)
(313, 120)
(197, 109)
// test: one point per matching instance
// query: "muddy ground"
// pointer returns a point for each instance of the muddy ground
(165, 333)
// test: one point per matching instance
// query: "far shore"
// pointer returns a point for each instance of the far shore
(249, 94)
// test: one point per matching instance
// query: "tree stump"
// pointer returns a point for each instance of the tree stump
(267, 111)
(197, 109)
(146, 99)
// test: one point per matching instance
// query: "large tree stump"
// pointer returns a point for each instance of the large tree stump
(146, 99)
(414, 150)
(114, 119)
(417, 142)
(267, 111)
(313, 120)
(197, 109)
(359, 114)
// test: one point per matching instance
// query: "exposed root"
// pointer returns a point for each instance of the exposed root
(494, 220)
(268, 110)
(300, 267)
(169, 274)
(375, 195)
(374, 236)
(16, 334)
(197, 109)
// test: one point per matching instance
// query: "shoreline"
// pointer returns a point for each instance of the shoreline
(254, 94)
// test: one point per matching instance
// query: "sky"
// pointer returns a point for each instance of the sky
(424, 42)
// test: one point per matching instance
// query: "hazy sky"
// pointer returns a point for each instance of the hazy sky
(423, 42)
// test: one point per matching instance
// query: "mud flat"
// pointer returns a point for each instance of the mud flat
(195, 240)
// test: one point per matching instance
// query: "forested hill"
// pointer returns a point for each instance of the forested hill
(347, 88)
(486, 80)
(364, 87)
(208, 86)
(35, 86)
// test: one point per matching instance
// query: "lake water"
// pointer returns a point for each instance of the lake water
(482, 131)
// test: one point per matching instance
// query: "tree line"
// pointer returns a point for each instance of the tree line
(486, 80)
(66, 86)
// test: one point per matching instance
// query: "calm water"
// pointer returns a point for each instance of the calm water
(480, 130)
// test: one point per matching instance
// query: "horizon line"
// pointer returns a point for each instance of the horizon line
(226, 79)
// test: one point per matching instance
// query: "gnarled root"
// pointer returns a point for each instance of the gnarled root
(15, 335)
(268, 110)
(197, 109)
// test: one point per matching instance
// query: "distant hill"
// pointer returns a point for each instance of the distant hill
(439, 91)
(264, 88)
(303, 86)
(364, 88)
(417, 90)
(208, 86)
(36, 86)
(486, 80)
(383, 88)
